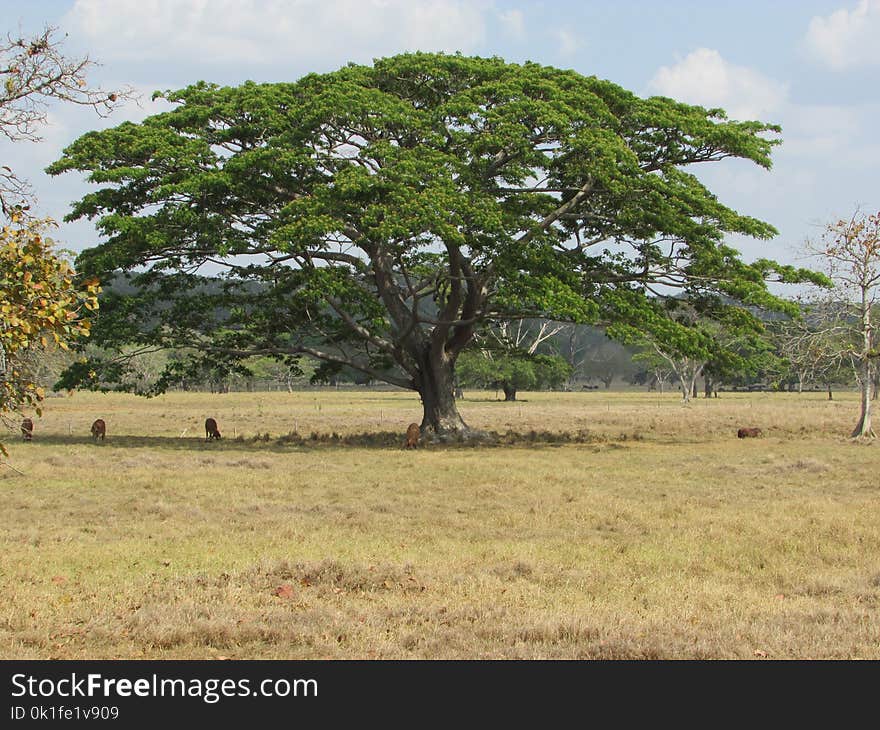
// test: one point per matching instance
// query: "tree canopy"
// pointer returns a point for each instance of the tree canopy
(697, 337)
(511, 371)
(376, 215)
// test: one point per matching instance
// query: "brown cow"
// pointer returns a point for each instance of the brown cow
(412, 436)
(99, 429)
(745, 433)
(27, 429)
(211, 431)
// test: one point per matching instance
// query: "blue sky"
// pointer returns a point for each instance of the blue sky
(808, 65)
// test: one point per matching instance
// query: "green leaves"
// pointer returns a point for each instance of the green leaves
(515, 370)
(391, 208)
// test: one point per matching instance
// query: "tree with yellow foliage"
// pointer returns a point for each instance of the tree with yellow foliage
(42, 306)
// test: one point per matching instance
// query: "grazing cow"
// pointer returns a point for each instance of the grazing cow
(745, 433)
(27, 429)
(99, 429)
(211, 431)
(412, 436)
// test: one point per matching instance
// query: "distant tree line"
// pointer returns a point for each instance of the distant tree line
(792, 354)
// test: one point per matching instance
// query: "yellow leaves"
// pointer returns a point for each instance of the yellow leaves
(40, 304)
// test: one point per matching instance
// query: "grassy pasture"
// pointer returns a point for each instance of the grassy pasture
(650, 531)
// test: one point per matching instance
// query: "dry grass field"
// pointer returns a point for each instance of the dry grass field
(612, 526)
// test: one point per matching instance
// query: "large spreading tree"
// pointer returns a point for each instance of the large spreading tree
(375, 216)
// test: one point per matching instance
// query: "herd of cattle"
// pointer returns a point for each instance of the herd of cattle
(99, 429)
(413, 433)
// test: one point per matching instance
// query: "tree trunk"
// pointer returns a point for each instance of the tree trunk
(509, 391)
(863, 428)
(436, 386)
(830, 394)
(865, 371)
(685, 389)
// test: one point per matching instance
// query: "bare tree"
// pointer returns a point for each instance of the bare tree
(522, 335)
(593, 355)
(34, 73)
(815, 346)
(849, 251)
(662, 361)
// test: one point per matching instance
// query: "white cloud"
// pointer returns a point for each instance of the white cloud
(513, 23)
(834, 138)
(568, 44)
(817, 131)
(846, 38)
(703, 77)
(827, 151)
(226, 32)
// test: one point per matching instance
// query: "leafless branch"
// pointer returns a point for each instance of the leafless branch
(34, 74)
